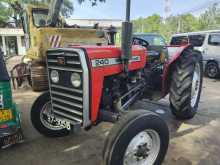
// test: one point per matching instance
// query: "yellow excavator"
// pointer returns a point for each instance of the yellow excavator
(44, 28)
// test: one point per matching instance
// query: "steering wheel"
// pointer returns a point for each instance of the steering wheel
(140, 41)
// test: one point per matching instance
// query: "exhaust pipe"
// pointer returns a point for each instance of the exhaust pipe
(126, 45)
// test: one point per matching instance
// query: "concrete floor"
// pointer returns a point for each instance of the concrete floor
(196, 141)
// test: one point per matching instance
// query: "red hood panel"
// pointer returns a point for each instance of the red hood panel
(111, 54)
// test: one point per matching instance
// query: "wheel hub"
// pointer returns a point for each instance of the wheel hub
(143, 149)
(212, 70)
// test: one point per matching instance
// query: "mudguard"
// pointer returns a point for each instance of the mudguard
(174, 54)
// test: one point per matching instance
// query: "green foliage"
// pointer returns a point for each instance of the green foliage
(7, 13)
(4, 14)
(93, 2)
(149, 24)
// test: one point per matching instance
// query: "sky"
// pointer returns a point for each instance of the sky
(115, 9)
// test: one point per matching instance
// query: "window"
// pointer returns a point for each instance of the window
(214, 39)
(158, 40)
(40, 17)
(180, 40)
(196, 40)
(153, 39)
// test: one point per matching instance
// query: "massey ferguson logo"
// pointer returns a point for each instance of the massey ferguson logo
(112, 61)
(61, 61)
(101, 62)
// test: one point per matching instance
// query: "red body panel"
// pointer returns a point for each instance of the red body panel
(98, 74)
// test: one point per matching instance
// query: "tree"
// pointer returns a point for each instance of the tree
(5, 14)
(210, 18)
(93, 2)
(149, 24)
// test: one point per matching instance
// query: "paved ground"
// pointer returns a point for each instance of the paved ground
(192, 142)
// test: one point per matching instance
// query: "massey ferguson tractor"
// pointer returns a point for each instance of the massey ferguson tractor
(92, 84)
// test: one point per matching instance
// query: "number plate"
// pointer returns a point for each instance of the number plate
(11, 140)
(5, 115)
(64, 123)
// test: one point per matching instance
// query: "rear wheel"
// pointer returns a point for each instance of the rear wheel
(212, 70)
(43, 120)
(186, 84)
(139, 138)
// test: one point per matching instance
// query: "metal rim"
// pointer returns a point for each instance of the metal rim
(143, 149)
(47, 118)
(196, 82)
(212, 70)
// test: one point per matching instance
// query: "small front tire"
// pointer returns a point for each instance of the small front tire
(139, 136)
(39, 111)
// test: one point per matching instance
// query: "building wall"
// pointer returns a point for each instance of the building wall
(12, 39)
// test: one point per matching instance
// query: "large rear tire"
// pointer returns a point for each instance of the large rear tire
(39, 118)
(186, 84)
(138, 137)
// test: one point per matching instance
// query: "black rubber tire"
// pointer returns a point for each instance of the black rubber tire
(181, 84)
(35, 118)
(127, 128)
(208, 67)
(39, 78)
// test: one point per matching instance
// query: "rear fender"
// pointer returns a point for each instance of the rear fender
(175, 53)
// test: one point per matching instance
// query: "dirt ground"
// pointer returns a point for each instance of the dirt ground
(195, 142)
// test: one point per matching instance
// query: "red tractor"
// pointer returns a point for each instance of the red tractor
(91, 84)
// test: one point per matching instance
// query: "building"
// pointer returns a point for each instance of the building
(91, 22)
(12, 41)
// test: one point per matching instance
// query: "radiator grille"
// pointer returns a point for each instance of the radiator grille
(68, 102)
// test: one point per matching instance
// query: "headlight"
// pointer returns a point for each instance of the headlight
(75, 80)
(54, 75)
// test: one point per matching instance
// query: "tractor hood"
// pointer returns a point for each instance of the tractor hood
(3, 71)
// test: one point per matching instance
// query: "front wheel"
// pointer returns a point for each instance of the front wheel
(43, 120)
(140, 137)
